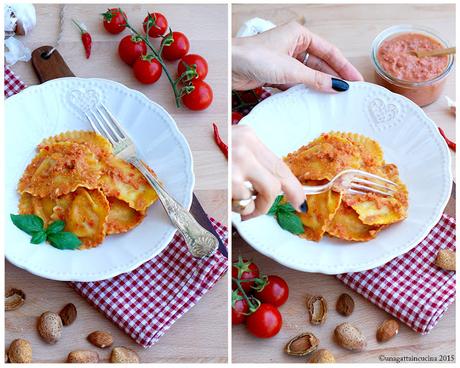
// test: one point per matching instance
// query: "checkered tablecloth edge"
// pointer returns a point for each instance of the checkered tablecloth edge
(411, 287)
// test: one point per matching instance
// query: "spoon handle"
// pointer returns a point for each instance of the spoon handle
(437, 52)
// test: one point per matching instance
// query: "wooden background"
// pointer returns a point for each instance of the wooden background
(352, 28)
(200, 335)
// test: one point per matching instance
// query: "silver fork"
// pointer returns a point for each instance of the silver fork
(355, 182)
(347, 181)
(201, 243)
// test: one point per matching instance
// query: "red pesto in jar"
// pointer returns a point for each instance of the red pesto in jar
(396, 56)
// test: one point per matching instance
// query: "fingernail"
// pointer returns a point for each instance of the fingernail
(304, 207)
(339, 85)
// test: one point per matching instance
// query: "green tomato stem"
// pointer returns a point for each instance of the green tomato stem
(159, 58)
(252, 307)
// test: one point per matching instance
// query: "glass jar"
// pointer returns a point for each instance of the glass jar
(423, 92)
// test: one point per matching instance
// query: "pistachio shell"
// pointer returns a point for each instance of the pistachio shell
(322, 356)
(345, 305)
(349, 337)
(317, 309)
(446, 259)
(20, 351)
(120, 354)
(50, 327)
(387, 330)
(14, 298)
(302, 344)
(83, 356)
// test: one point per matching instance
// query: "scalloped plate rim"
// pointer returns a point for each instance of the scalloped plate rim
(325, 269)
(166, 239)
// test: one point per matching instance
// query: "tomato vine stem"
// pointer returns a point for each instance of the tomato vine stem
(251, 305)
(157, 55)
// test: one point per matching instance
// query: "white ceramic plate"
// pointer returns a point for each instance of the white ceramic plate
(408, 138)
(56, 106)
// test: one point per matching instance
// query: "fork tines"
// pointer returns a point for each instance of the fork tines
(105, 124)
(361, 184)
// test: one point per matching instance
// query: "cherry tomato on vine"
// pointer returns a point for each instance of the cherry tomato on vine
(239, 308)
(236, 117)
(114, 21)
(243, 269)
(193, 61)
(200, 98)
(177, 49)
(275, 292)
(156, 23)
(265, 322)
(147, 70)
(131, 48)
(252, 96)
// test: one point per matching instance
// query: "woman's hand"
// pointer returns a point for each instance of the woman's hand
(277, 57)
(269, 175)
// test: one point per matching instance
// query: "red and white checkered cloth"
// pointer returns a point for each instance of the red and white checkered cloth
(410, 287)
(13, 84)
(148, 300)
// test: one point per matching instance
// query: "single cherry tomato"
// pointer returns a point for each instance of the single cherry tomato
(243, 270)
(131, 48)
(114, 20)
(236, 117)
(265, 322)
(177, 49)
(200, 98)
(251, 96)
(240, 308)
(156, 23)
(147, 70)
(197, 62)
(258, 91)
(275, 292)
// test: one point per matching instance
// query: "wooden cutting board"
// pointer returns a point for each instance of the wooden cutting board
(53, 67)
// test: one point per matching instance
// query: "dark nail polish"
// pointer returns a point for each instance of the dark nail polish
(339, 85)
(304, 207)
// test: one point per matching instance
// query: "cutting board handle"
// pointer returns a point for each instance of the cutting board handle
(51, 67)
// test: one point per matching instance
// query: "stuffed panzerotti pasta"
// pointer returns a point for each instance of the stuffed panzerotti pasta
(76, 178)
(355, 217)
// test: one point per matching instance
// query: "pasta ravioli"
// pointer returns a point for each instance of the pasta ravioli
(122, 218)
(76, 178)
(60, 168)
(354, 217)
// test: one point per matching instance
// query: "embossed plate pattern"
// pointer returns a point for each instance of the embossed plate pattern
(408, 138)
(56, 106)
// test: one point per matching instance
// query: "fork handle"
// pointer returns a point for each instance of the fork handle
(201, 242)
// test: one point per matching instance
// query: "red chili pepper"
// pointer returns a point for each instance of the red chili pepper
(85, 38)
(223, 147)
(452, 145)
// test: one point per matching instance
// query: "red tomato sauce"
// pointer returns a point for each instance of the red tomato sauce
(396, 56)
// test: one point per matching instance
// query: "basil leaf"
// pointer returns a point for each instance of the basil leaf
(286, 208)
(27, 223)
(55, 227)
(274, 208)
(291, 222)
(38, 237)
(64, 240)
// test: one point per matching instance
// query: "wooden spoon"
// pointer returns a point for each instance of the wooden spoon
(436, 52)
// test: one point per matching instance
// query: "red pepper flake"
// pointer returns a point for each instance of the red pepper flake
(452, 145)
(223, 147)
(85, 38)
